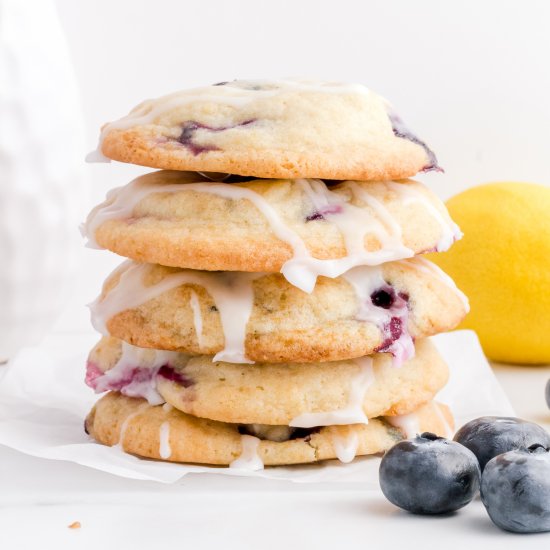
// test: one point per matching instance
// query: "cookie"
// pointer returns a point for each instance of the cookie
(179, 219)
(162, 432)
(270, 129)
(246, 317)
(301, 395)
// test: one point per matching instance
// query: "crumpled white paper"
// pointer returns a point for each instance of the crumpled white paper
(43, 403)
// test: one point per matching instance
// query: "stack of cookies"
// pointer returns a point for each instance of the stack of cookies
(273, 309)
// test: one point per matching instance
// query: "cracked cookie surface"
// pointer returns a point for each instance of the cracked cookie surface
(271, 129)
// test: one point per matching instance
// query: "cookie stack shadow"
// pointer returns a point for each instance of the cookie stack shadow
(274, 308)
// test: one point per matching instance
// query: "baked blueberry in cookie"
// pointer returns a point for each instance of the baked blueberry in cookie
(189, 129)
(313, 129)
(174, 375)
(401, 131)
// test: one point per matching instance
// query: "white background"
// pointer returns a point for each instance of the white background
(472, 78)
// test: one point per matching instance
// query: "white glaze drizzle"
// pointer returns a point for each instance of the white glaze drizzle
(352, 222)
(167, 407)
(450, 232)
(302, 269)
(425, 266)
(233, 93)
(407, 423)
(126, 423)
(345, 446)
(133, 357)
(249, 458)
(365, 280)
(165, 451)
(197, 317)
(232, 293)
(353, 413)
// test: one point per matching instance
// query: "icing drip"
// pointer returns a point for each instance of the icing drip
(167, 407)
(134, 374)
(302, 269)
(407, 423)
(425, 266)
(450, 232)
(353, 413)
(249, 458)
(126, 423)
(345, 446)
(165, 451)
(232, 293)
(391, 320)
(197, 317)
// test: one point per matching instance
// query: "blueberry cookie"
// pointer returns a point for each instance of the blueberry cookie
(246, 317)
(302, 395)
(162, 432)
(270, 129)
(180, 219)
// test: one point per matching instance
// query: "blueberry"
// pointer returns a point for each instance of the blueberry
(401, 131)
(515, 490)
(548, 393)
(189, 128)
(429, 475)
(383, 297)
(489, 436)
(177, 376)
(392, 330)
(315, 216)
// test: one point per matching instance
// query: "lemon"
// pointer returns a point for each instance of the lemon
(503, 265)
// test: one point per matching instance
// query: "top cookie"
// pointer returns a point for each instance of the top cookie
(270, 129)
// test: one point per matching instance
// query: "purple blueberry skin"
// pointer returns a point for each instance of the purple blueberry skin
(383, 297)
(429, 475)
(167, 372)
(489, 436)
(515, 490)
(401, 131)
(548, 393)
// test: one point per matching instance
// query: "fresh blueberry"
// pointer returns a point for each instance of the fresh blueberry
(548, 393)
(515, 489)
(489, 436)
(429, 475)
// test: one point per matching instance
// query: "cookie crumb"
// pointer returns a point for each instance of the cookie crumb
(74, 525)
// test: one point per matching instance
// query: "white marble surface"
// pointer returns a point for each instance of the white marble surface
(40, 498)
